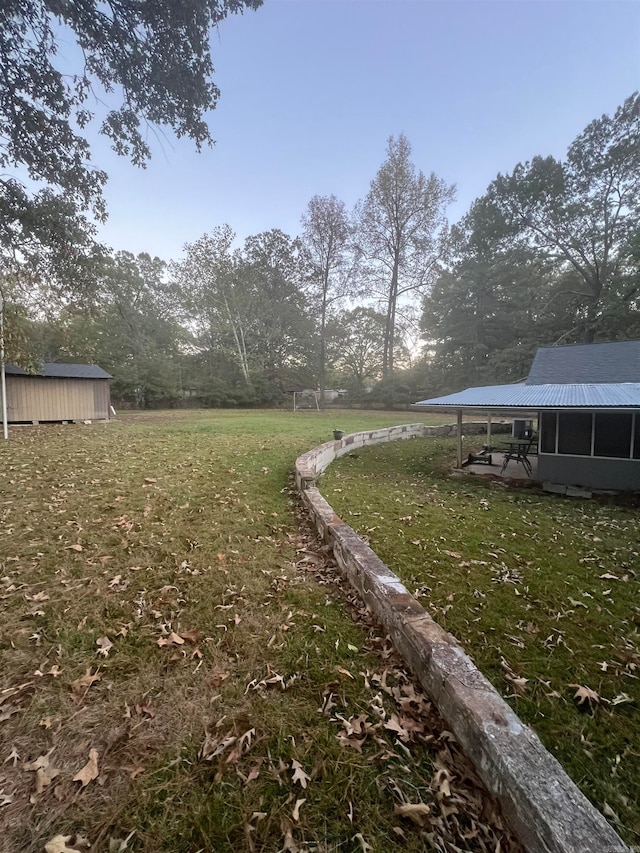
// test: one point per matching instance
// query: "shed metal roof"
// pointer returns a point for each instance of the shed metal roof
(610, 395)
(59, 370)
(611, 362)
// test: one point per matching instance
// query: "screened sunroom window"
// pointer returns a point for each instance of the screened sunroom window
(613, 435)
(548, 432)
(574, 433)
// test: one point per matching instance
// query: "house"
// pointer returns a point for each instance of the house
(586, 399)
(58, 392)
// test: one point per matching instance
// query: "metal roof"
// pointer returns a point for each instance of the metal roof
(610, 395)
(611, 362)
(50, 369)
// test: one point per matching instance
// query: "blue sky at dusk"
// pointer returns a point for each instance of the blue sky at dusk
(311, 90)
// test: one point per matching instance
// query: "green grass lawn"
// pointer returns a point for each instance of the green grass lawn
(541, 591)
(179, 670)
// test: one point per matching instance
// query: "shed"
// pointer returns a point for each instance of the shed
(58, 392)
(586, 398)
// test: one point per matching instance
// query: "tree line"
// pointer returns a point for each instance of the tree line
(386, 300)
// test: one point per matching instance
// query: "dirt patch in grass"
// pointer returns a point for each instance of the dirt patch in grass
(180, 669)
(541, 591)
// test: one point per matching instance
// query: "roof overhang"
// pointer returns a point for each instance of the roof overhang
(520, 398)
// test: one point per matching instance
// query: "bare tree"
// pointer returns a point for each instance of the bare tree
(326, 233)
(401, 234)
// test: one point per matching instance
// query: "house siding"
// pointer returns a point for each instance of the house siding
(34, 398)
(616, 474)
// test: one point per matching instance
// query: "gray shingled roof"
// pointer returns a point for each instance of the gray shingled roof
(52, 369)
(586, 363)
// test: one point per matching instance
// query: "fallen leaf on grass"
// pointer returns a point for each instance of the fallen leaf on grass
(11, 697)
(621, 698)
(75, 548)
(90, 771)
(120, 845)
(295, 814)
(586, 694)
(253, 773)
(519, 683)
(14, 756)
(59, 844)
(104, 646)
(44, 770)
(298, 774)
(217, 677)
(173, 638)
(150, 480)
(418, 813)
(190, 636)
(289, 843)
(363, 844)
(80, 686)
(346, 672)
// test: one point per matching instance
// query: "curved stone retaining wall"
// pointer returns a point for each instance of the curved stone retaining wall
(542, 805)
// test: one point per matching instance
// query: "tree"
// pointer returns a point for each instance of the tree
(152, 58)
(131, 330)
(213, 297)
(326, 235)
(583, 213)
(401, 234)
(272, 268)
(357, 346)
(489, 304)
(248, 308)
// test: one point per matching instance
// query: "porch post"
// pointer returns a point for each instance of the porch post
(489, 430)
(459, 438)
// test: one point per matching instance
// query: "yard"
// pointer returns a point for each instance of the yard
(541, 591)
(180, 671)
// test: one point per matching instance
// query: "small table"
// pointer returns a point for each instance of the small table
(518, 449)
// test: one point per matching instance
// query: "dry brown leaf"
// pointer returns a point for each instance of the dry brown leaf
(253, 773)
(90, 770)
(14, 756)
(82, 684)
(44, 770)
(295, 814)
(75, 548)
(289, 843)
(150, 480)
(346, 672)
(59, 844)
(190, 636)
(104, 646)
(298, 774)
(586, 694)
(172, 639)
(393, 725)
(418, 813)
(363, 844)
(519, 683)
(217, 677)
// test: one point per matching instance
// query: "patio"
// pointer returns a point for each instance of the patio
(514, 470)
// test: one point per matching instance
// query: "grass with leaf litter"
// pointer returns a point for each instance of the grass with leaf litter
(541, 591)
(181, 670)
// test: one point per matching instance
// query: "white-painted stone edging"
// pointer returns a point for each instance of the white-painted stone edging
(544, 808)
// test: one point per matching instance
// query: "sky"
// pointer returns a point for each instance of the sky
(312, 90)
